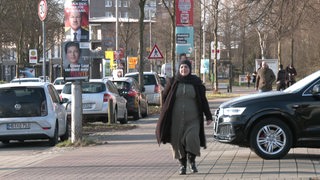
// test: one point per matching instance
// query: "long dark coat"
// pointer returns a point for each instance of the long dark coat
(163, 129)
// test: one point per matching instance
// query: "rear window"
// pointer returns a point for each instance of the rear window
(21, 101)
(122, 85)
(149, 79)
(86, 88)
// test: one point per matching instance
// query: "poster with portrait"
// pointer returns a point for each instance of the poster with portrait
(223, 69)
(76, 20)
(76, 61)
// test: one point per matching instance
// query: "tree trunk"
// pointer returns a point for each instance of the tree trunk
(141, 47)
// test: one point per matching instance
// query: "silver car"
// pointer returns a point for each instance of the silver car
(23, 80)
(152, 85)
(32, 110)
(95, 97)
(59, 83)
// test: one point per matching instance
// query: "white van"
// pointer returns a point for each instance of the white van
(166, 69)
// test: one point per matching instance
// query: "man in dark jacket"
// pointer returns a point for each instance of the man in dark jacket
(265, 78)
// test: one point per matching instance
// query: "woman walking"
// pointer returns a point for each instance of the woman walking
(181, 120)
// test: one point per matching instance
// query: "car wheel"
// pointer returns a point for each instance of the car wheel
(271, 139)
(137, 114)
(145, 114)
(124, 120)
(54, 140)
(65, 136)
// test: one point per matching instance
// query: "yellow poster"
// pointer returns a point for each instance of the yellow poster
(132, 61)
(109, 55)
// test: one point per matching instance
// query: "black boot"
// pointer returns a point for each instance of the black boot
(183, 166)
(192, 162)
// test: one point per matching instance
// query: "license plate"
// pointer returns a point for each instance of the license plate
(13, 126)
(87, 106)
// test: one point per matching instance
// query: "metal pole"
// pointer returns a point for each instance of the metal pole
(44, 52)
(76, 112)
(150, 36)
(117, 22)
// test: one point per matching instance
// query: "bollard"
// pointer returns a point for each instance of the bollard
(110, 111)
(76, 112)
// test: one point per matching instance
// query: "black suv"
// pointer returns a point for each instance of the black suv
(271, 123)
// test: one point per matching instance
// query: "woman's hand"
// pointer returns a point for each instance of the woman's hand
(209, 121)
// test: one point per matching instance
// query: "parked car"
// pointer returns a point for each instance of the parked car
(271, 123)
(152, 84)
(137, 103)
(47, 78)
(23, 80)
(59, 83)
(95, 96)
(32, 110)
(163, 80)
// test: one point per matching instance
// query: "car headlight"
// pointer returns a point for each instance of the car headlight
(233, 111)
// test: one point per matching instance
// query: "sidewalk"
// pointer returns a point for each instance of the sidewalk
(134, 154)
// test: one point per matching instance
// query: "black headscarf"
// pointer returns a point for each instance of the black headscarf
(189, 79)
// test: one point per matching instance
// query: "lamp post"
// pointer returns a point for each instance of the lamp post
(117, 22)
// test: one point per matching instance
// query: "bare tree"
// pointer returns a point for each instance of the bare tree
(21, 27)
(172, 13)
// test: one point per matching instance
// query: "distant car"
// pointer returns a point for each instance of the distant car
(137, 103)
(95, 97)
(271, 123)
(23, 80)
(32, 110)
(59, 83)
(152, 84)
(47, 78)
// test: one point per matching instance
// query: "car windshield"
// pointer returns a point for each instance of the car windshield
(302, 83)
(90, 87)
(21, 101)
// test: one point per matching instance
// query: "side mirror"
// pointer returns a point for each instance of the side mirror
(64, 100)
(316, 90)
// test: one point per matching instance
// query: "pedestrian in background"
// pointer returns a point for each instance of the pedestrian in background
(265, 78)
(248, 78)
(181, 121)
(254, 78)
(281, 79)
(291, 73)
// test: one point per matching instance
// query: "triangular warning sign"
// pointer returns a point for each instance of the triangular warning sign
(155, 53)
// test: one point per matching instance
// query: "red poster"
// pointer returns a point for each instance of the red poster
(184, 12)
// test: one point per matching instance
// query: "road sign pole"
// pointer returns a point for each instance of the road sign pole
(44, 52)
(42, 13)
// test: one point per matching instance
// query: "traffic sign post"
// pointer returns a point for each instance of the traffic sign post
(42, 13)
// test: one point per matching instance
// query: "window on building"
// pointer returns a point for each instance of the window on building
(109, 14)
(125, 4)
(124, 15)
(108, 3)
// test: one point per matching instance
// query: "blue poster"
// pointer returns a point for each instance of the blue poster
(184, 40)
